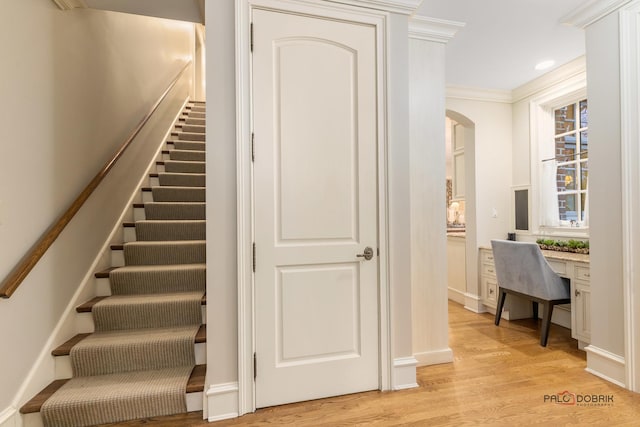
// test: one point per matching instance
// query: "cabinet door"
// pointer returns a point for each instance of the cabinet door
(582, 309)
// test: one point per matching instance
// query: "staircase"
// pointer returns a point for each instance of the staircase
(146, 355)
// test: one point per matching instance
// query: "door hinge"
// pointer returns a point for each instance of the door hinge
(254, 257)
(378, 251)
(251, 37)
(255, 366)
(253, 147)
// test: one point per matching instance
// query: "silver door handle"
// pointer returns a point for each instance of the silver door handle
(367, 255)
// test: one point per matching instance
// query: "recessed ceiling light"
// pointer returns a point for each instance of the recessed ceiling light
(544, 65)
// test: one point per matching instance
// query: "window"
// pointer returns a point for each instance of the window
(571, 156)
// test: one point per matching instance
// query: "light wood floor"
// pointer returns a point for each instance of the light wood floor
(499, 377)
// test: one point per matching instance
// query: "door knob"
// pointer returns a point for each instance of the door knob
(367, 255)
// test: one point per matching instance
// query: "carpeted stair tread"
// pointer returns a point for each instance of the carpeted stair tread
(65, 348)
(188, 155)
(175, 210)
(192, 128)
(163, 230)
(87, 307)
(196, 115)
(193, 121)
(188, 145)
(110, 352)
(184, 167)
(194, 385)
(158, 253)
(133, 280)
(174, 179)
(188, 136)
(86, 401)
(177, 194)
(119, 312)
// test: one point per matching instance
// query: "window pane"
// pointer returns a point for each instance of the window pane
(584, 175)
(565, 119)
(566, 177)
(583, 113)
(567, 207)
(584, 146)
(566, 148)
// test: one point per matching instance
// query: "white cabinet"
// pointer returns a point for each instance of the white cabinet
(581, 303)
(488, 281)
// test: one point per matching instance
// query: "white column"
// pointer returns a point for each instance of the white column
(427, 40)
(221, 385)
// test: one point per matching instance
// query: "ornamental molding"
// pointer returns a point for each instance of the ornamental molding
(433, 29)
(404, 7)
(592, 11)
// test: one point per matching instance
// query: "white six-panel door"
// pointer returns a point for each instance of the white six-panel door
(315, 199)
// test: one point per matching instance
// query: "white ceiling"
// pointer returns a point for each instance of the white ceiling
(503, 40)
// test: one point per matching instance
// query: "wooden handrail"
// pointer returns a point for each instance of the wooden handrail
(31, 258)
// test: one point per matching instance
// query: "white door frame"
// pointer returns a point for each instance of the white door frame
(245, 208)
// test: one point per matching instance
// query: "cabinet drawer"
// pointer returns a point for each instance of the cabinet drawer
(489, 270)
(486, 257)
(582, 273)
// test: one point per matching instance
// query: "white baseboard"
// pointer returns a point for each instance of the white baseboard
(435, 357)
(404, 373)
(606, 365)
(456, 295)
(9, 417)
(222, 401)
(473, 303)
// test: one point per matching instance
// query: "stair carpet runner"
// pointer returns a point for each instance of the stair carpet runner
(138, 361)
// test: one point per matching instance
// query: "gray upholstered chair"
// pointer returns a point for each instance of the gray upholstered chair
(522, 270)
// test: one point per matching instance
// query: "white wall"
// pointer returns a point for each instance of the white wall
(493, 137)
(603, 76)
(73, 86)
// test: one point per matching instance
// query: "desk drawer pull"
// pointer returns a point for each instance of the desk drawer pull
(577, 293)
(489, 270)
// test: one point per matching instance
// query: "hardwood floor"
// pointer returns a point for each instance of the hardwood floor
(500, 377)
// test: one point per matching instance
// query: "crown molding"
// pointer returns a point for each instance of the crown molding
(477, 94)
(404, 7)
(70, 4)
(575, 70)
(592, 11)
(433, 29)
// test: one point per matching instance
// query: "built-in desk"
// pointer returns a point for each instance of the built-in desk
(573, 266)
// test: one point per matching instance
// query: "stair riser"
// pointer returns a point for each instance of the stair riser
(200, 122)
(85, 324)
(138, 214)
(103, 287)
(182, 180)
(194, 404)
(63, 367)
(184, 254)
(189, 136)
(130, 234)
(185, 167)
(193, 128)
(173, 194)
